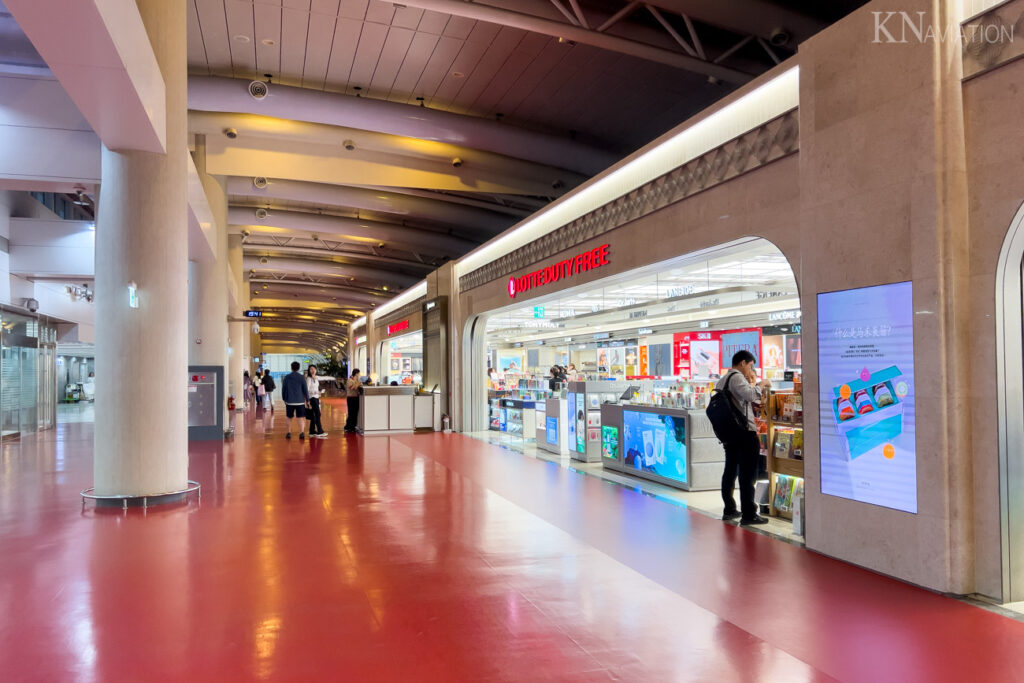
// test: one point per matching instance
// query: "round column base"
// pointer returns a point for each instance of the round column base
(125, 502)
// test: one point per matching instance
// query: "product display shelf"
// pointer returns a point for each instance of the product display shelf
(783, 419)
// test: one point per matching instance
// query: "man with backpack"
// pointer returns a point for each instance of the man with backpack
(269, 386)
(731, 413)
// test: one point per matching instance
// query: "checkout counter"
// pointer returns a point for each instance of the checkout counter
(387, 409)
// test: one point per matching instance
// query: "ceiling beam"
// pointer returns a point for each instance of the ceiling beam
(436, 209)
(606, 41)
(252, 245)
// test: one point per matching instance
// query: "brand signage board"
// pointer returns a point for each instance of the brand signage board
(398, 327)
(580, 263)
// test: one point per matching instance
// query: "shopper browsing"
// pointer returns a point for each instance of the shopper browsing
(313, 387)
(295, 396)
(742, 451)
(352, 399)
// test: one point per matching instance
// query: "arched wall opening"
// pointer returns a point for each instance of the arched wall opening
(1010, 402)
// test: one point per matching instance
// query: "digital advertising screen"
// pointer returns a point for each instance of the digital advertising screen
(581, 423)
(610, 442)
(551, 430)
(655, 443)
(572, 421)
(866, 395)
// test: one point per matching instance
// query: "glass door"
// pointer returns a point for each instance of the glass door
(10, 392)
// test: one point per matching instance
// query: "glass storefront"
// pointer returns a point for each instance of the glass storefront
(28, 375)
(401, 360)
(640, 354)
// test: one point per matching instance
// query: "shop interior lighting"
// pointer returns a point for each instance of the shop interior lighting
(771, 98)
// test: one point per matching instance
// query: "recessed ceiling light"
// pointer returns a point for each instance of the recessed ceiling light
(242, 39)
(458, 74)
(269, 41)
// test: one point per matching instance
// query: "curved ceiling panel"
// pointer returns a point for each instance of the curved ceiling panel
(299, 104)
(330, 268)
(390, 234)
(360, 144)
(373, 200)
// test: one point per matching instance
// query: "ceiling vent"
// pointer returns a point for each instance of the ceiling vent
(262, 214)
(259, 182)
(258, 90)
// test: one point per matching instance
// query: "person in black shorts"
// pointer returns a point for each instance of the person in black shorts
(296, 397)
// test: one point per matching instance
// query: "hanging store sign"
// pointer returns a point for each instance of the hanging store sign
(253, 314)
(360, 340)
(580, 263)
(783, 315)
(398, 327)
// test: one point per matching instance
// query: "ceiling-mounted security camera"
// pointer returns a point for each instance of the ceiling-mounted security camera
(258, 90)
(245, 233)
(316, 237)
(231, 133)
(349, 145)
(457, 162)
(779, 36)
(259, 182)
(262, 214)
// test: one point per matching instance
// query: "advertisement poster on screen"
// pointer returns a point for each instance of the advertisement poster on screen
(655, 443)
(866, 395)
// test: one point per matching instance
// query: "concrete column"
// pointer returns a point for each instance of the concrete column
(208, 284)
(238, 333)
(141, 438)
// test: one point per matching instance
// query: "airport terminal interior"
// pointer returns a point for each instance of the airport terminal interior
(511, 340)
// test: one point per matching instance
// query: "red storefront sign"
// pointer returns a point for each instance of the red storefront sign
(398, 327)
(580, 263)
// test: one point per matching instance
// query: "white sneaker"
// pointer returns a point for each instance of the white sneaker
(322, 435)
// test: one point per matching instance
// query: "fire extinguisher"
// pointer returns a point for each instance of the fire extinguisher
(231, 403)
(446, 423)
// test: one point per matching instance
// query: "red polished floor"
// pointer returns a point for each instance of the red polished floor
(436, 557)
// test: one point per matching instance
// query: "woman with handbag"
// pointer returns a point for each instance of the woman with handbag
(313, 388)
(261, 391)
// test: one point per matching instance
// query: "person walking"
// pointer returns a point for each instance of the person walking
(352, 387)
(246, 390)
(269, 386)
(741, 453)
(295, 396)
(261, 391)
(313, 389)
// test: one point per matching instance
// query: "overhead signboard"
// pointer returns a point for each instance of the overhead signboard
(398, 327)
(254, 314)
(567, 268)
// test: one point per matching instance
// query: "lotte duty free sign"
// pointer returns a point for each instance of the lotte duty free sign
(398, 327)
(580, 263)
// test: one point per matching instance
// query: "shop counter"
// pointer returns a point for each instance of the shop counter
(518, 417)
(396, 409)
(671, 446)
(552, 435)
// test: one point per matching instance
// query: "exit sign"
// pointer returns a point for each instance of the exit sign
(538, 311)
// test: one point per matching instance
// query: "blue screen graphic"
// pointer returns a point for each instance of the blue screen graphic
(572, 421)
(866, 395)
(551, 431)
(655, 443)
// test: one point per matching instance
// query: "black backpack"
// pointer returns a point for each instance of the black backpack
(726, 419)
